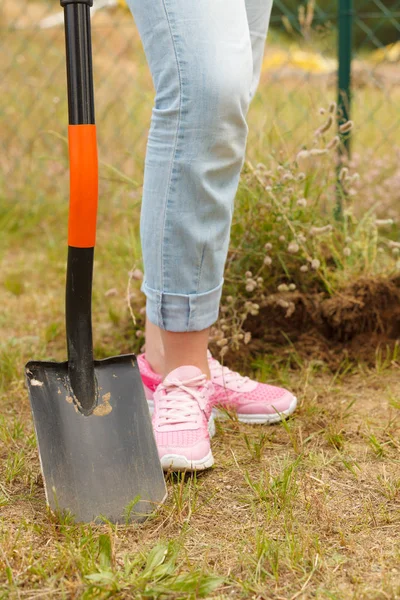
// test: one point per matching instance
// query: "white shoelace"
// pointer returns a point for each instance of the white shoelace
(228, 376)
(182, 401)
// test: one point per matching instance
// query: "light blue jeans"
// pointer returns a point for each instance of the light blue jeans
(205, 58)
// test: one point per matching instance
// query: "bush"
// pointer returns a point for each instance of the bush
(287, 241)
(371, 26)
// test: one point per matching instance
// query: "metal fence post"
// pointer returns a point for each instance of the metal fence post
(345, 47)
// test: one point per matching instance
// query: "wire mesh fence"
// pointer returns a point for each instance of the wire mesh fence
(299, 74)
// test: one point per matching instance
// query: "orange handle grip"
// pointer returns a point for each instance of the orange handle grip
(84, 186)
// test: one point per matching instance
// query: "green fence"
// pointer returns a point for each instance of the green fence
(299, 75)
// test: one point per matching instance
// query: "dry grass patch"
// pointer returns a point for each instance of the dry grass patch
(310, 508)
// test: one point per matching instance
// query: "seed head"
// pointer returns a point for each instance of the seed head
(302, 202)
(314, 231)
(302, 157)
(283, 303)
(223, 351)
(223, 342)
(293, 248)
(268, 246)
(315, 264)
(304, 268)
(318, 151)
(136, 274)
(324, 128)
(111, 292)
(382, 222)
(346, 127)
(334, 143)
(347, 251)
(247, 337)
(283, 287)
(290, 310)
(332, 107)
(267, 260)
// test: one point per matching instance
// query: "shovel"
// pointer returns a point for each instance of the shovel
(96, 444)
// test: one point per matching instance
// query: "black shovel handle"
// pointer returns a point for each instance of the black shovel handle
(83, 202)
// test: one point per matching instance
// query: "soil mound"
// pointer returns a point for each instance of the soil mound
(355, 321)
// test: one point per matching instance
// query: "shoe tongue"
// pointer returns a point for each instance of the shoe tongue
(183, 373)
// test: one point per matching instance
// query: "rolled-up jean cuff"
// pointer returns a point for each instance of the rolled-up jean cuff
(180, 312)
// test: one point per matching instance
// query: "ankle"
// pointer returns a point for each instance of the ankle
(170, 366)
(156, 361)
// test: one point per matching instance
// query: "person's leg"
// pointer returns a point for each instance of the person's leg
(200, 57)
(183, 348)
(258, 15)
(252, 401)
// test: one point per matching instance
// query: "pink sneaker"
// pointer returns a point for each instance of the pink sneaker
(183, 421)
(253, 402)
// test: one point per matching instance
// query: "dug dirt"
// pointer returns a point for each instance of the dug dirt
(354, 322)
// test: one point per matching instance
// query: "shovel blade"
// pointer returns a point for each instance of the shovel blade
(104, 465)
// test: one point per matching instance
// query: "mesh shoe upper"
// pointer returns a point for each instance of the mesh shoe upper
(232, 390)
(182, 409)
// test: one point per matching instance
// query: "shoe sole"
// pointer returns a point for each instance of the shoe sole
(176, 462)
(245, 418)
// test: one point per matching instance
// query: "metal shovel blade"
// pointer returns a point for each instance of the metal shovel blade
(104, 465)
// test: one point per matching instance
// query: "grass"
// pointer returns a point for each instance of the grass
(309, 508)
(273, 519)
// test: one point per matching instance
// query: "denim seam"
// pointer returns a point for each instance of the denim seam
(214, 289)
(159, 310)
(200, 268)
(175, 145)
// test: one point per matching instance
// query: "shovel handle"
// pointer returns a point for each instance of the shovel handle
(83, 202)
